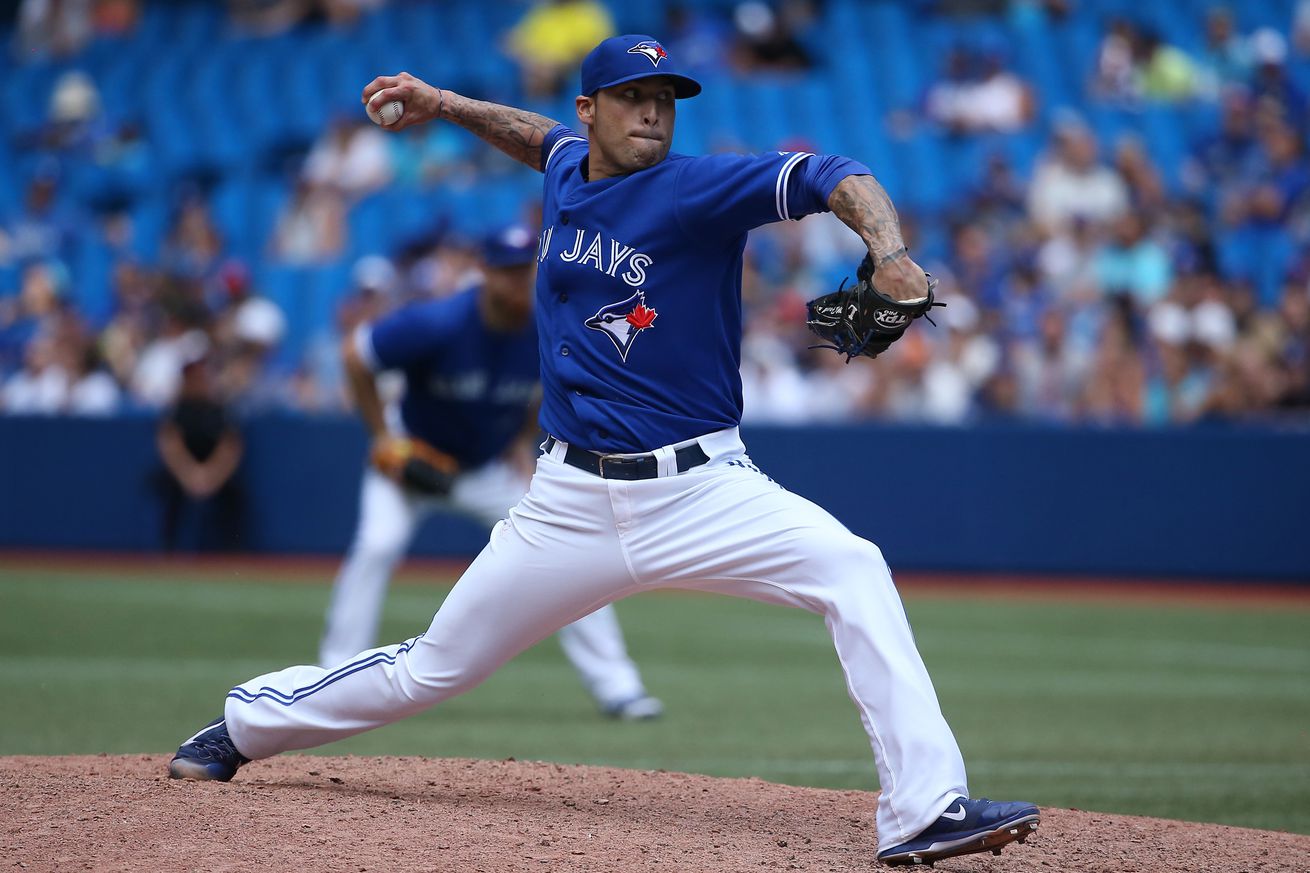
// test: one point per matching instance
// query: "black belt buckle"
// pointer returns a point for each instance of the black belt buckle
(600, 467)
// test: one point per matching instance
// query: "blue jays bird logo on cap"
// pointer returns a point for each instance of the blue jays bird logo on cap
(652, 51)
(622, 321)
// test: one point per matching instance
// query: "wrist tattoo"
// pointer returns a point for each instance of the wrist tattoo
(894, 256)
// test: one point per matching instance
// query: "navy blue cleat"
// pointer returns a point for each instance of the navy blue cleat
(967, 826)
(209, 756)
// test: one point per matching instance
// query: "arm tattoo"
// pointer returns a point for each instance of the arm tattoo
(516, 132)
(864, 206)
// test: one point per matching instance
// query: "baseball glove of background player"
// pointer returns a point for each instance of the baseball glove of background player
(416, 465)
(860, 320)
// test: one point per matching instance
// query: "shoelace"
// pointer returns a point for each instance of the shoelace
(217, 748)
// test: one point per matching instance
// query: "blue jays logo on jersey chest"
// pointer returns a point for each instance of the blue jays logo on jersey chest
(623, 321)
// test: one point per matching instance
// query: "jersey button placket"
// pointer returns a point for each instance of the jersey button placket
(564, 351)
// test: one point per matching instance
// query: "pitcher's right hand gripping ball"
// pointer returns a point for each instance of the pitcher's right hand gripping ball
(416, 465)
(861, 320)
(416, 100)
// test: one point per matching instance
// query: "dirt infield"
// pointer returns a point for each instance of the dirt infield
(390, 814)
(317, 569)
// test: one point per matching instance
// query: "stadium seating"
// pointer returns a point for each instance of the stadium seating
(226, 111)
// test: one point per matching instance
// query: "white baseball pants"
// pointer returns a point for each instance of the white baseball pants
(576, 542)
(388, 519)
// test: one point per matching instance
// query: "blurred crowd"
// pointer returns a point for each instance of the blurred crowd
(1083, 294)
(1083, 291)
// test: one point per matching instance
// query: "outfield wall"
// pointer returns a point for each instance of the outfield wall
(1210, 502)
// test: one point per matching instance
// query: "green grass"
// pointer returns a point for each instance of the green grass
(1186, 711)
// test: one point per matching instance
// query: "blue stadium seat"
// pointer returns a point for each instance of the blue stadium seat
(10, 277)
(927, 179)
(26, 93)
(718, 101)
(91, 268)
(812, 113)
(150, 224)
(232, 205)
(899, 78)
(320, 295)
(11, 184)
(1164, 130)
(278, 282)
(691, 134)
(282, 284)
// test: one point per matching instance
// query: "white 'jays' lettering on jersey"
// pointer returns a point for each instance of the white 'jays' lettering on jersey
(606, 255)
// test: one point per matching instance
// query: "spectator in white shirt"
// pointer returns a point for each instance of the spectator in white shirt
(1070, 183)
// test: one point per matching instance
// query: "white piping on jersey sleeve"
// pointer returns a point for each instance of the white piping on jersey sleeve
(559, 142)
(780, 187)
(363, 340)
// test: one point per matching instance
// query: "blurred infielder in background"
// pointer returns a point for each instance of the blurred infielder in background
(644, 482)
(470, 403)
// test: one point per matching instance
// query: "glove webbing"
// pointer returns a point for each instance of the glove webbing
(845, 345)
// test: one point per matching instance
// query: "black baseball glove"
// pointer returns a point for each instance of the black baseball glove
(860, 320)
(416, 465)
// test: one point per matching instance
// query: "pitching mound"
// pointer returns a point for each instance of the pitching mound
(386, 814)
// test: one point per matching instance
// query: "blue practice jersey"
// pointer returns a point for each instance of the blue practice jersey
(639, 287)
(467, 388)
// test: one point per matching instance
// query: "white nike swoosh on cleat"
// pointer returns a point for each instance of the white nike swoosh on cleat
(955, 816)
(208, 727)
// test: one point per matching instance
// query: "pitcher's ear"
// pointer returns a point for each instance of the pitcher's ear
(586, 109)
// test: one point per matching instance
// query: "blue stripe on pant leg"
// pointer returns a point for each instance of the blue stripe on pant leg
(342, 672)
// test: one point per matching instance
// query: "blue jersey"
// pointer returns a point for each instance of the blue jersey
(468, 388)
(639, 287)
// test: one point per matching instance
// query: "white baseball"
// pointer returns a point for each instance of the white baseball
(386, 113)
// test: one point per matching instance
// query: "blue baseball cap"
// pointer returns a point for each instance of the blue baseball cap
(632, 56)
(511, 246)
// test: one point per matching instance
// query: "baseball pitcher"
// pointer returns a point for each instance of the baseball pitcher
(644, 482)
